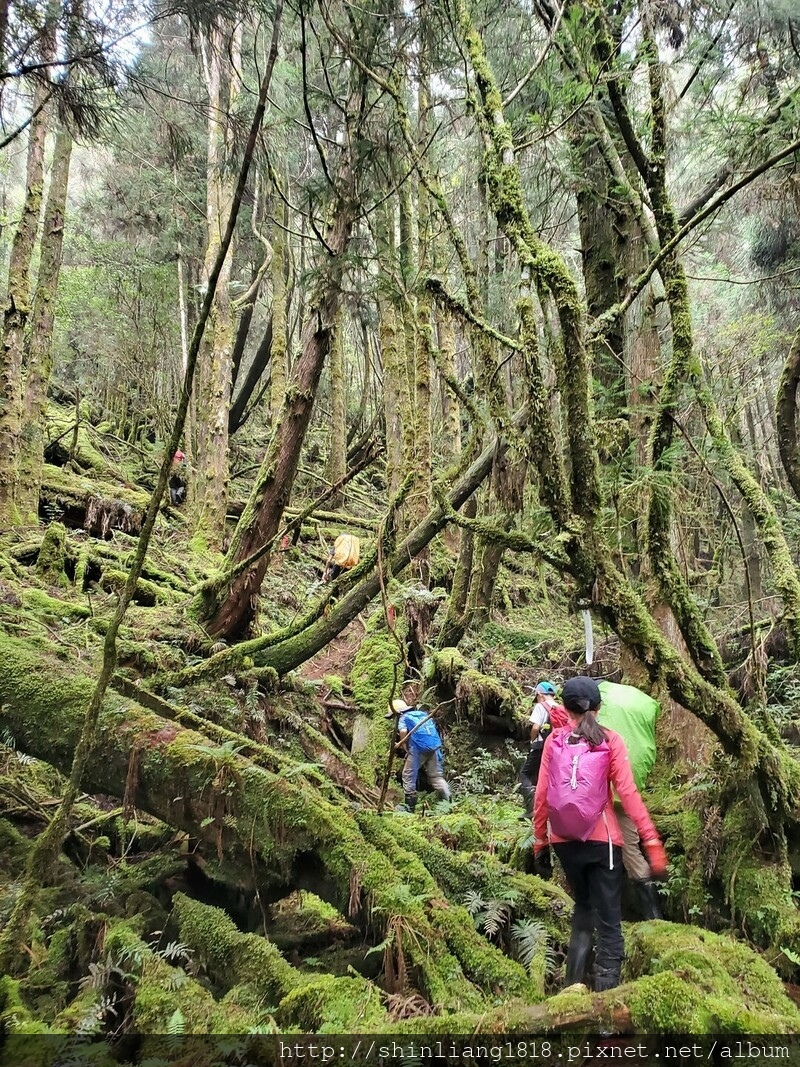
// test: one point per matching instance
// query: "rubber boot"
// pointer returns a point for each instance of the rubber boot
(580, 946)
(527, 798)
(411, 801)
(606, 977)
(647, 899)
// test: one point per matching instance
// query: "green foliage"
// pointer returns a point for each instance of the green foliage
(531, 941)
(484, 771)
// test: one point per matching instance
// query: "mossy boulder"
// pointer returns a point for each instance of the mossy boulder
(701, 982)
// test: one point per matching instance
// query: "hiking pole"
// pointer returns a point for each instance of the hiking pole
(420, 723)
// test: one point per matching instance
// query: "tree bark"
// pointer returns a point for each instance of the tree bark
(457, 619)
(388, 332)
(223, 55)
(240, 413)
(230, 610)
(786, 415)
(39, 353)
(279, 354)
(17, 308)
(337, 455)
(451, 411)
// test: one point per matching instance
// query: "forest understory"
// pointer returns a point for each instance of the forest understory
(225, 867)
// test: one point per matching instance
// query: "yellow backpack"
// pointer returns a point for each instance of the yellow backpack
(346, 551)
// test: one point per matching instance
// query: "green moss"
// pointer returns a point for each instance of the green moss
(52, 555)
(232, 957)
(570, 1002)
(61, 423)
(41, 603)
(334, 683)
(664, 1004)
(65, 487)
(478, 694)
(459, 872)
(148, 592)
(724, 984)
(333, 1005)
(377, 672)
(484, 965)
(162, 989)
(14, 848)
(15, 1017)
(445, 665)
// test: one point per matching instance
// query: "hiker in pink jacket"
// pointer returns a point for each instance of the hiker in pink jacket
(580, 765)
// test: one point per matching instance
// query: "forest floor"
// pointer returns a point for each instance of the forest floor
(226, 869)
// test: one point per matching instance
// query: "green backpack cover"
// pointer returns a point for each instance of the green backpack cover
(633, 715)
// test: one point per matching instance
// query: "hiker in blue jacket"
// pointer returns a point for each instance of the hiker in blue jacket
(418, 736)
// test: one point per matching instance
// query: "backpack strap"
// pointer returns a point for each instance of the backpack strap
(610, 842)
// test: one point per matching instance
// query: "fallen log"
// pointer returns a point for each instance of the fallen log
(389, 875)
(85, 503)
(261, 822)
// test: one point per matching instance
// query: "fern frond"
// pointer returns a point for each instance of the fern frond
(176, 1024)
(495, 917)
(530, 939)
(175, 950)
(474, 902)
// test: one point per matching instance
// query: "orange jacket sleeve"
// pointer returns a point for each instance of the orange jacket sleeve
(622, 780)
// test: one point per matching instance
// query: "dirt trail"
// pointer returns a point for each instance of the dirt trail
(337, 656)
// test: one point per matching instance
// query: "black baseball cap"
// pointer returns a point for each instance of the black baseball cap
(580, 694)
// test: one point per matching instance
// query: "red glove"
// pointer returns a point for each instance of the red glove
(657, 858)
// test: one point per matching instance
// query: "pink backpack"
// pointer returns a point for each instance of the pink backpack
(577, 785)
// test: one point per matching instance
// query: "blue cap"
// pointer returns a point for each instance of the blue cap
(546, 689)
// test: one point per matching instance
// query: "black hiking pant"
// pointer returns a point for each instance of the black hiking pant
(529, 773)
(598, 908)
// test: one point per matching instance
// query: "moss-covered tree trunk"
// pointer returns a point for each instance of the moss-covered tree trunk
(17, 307)
(457, 620)
(222, 59)
(284, 829)
(388, 334)
(420, 357)
(229, 608)
(337, 455)
(279, 349)
(786, 415)
(600, 221)
(410, 344)
(39, 348)
(451, 411)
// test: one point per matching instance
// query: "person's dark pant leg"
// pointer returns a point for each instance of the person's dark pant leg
(598, 904)
(573, 857)
(529, 775)
(606, 889)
